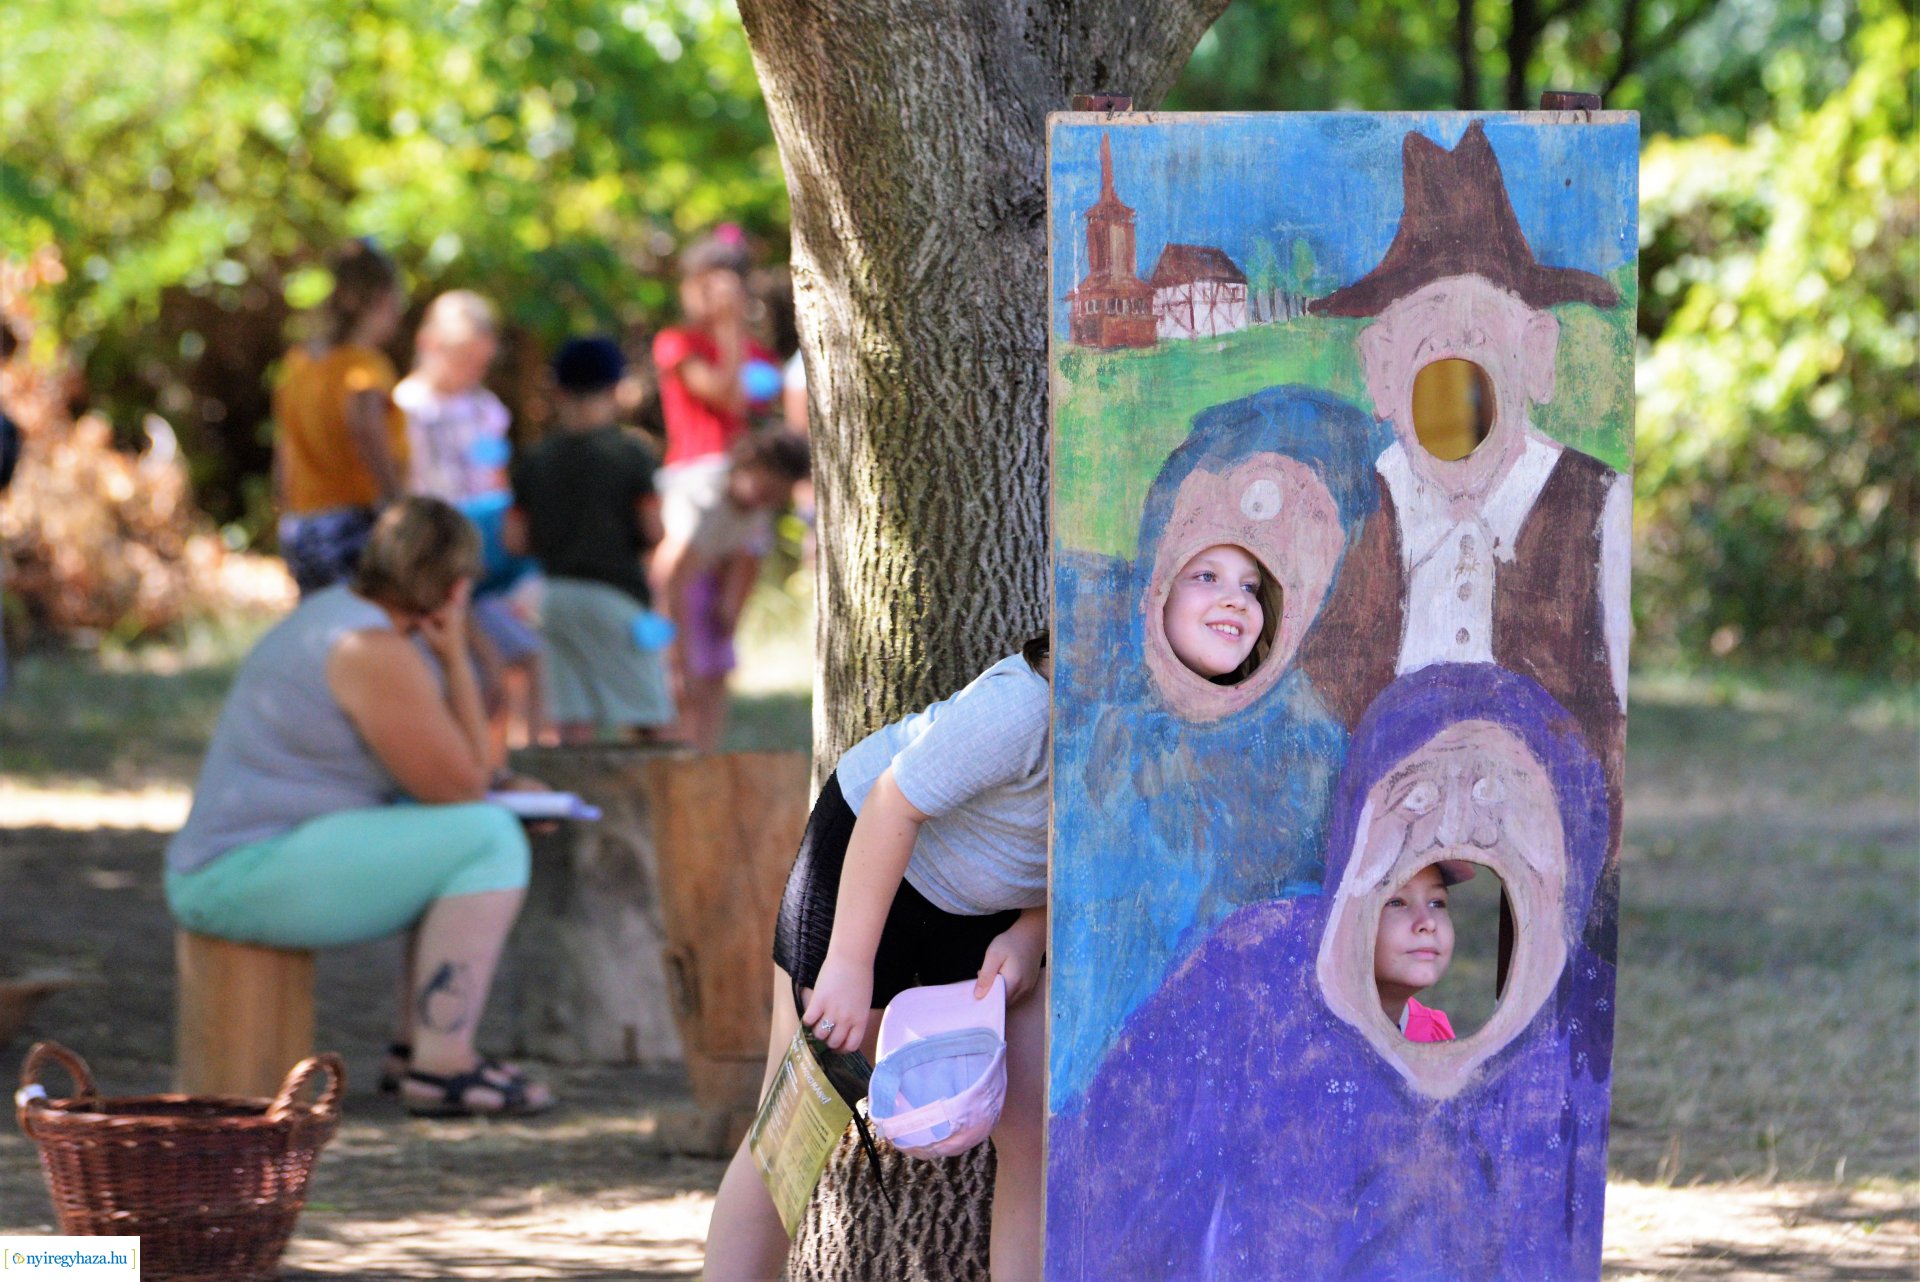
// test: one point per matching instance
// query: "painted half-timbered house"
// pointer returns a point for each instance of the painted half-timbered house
(1198, 292)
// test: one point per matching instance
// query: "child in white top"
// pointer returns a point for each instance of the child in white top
(458, 452)
(456, 426)
(924, 862)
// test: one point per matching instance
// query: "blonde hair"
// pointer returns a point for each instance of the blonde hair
(461, 313)
(420, 547)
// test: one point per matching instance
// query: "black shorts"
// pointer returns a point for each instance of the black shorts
(920, 944)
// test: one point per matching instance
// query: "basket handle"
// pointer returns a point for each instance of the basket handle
(31, 1092)
(77, 1070)
(328, 1105)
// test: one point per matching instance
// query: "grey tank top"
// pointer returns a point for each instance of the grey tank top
(283, 751)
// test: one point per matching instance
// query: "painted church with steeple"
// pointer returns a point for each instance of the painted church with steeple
(1112, 306)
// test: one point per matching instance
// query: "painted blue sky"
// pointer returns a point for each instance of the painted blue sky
(1334, 178)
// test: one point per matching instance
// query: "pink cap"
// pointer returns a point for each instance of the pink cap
(941, 1078)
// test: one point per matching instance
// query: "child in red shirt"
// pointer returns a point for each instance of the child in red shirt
(713, 377)
(712, 372)
(1414, 948)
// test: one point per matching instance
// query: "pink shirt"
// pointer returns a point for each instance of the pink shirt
(1425, 1024)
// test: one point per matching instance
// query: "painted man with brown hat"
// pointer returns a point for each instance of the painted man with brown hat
(1516, 553)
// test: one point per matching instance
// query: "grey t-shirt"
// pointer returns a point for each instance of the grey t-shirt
(284, 751)
(975, 763)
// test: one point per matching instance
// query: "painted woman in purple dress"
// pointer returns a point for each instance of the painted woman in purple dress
(1260, 1116)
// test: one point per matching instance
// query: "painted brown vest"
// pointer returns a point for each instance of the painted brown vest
(1548, 622)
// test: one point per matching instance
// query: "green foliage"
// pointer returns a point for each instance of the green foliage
(538, 145)
(1691, 66)
(1344, 55)
(189, 157)
(1779, 463)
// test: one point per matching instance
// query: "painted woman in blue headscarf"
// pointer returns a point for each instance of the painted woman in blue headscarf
(1261, 1117)
(1193, 797)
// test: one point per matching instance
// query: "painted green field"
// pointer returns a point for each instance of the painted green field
(1118, 414)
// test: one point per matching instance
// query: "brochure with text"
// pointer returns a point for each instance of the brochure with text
(801, 1120)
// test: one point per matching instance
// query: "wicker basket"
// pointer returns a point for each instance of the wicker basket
(211, 1184)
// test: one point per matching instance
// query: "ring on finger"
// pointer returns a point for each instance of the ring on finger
(824, 1027)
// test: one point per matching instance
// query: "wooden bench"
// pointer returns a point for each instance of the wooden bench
(243, 1015)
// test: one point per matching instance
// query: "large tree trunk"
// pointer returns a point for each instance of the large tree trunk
(913, 138)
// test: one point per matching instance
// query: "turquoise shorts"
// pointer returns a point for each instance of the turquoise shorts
(352, 876)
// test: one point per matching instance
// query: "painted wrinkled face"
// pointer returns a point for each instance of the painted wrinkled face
(1415, 941)
(1471, 792)
(1213, 615)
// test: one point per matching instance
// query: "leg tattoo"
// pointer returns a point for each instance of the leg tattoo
(443, 1005)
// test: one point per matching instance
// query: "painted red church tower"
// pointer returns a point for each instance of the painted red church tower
(1112, 307)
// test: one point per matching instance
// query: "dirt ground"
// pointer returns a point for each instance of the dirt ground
(1747, 1147)
(588, 1192)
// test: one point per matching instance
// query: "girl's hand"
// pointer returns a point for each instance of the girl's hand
(841, 1004)
(1015, 954)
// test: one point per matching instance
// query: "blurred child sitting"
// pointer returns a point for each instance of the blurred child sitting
(584, 507)
(1414, 947)
(457, 437)
(718, 523)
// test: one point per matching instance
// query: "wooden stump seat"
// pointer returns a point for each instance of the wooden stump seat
(243, 1015)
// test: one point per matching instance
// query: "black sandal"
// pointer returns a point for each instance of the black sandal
(389, 1076)
(510, 1084)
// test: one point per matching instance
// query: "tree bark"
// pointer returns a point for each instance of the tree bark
(913, 136)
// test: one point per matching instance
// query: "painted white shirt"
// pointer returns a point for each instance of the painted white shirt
(1451, 563)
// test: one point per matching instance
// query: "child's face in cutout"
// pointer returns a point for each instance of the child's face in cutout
(1415, 942)
(1213, 614)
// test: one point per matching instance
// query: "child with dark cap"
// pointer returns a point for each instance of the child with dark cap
(585, 505)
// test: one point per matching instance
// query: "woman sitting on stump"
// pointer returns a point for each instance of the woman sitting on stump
(341, 801)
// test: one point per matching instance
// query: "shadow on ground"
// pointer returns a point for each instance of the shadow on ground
(589, 1191)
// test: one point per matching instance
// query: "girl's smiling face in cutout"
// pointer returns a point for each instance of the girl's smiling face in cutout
(1415, 942)
(1213, 615)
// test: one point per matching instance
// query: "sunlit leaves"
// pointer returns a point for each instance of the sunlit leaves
(1779, 465)
(547, 151)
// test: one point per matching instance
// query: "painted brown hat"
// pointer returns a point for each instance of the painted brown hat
(1458, 221)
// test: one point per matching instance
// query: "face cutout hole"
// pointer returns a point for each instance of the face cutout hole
(1222, 613)
(1453, 408)
(1437, 947)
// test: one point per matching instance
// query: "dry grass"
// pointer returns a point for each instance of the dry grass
(1769, 989)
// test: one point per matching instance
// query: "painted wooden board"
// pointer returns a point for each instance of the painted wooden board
(1244, 308)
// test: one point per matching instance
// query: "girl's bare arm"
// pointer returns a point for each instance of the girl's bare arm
(367, 427)
(877, 855)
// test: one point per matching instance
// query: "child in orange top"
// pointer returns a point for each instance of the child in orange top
(1413, 948)
(341, 449)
